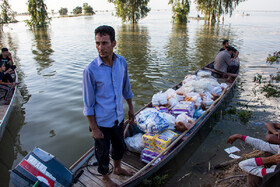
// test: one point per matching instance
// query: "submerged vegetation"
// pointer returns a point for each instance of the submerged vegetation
(39, 16)
(131, 11)
(245, 115)
(271, 90)
(267, 85)
(274, 58)
(213, 9)
(180, 10)
(156, 181)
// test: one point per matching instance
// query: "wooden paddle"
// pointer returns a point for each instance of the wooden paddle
(180, 137)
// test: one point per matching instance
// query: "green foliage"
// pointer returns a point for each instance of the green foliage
(180, 9)
(214, 9)
(88, 9)
(77, 10)
(63, 11)
(258, 78)
(244, 115)
(131, 10)
(232, 111)
(156, 181)
(276, 77)
(7, 15)
(273, 58)
(271, 90)
(39, 16)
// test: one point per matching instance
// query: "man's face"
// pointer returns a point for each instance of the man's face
(5, 53)
(104, 45)
(230, 52)
(3, 68)
(226, 44)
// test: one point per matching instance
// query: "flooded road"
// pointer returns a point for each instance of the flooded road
(48, 110)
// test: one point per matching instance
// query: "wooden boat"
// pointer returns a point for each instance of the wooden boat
(5, 110)
(195, 18)
(132, 160)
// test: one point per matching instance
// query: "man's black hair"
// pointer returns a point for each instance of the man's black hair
(105, 29)
(1, 64)
(225, 41)
(4, 49)
(229, 48)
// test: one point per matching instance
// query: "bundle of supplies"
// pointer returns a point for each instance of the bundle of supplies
(151, 120)
(186, 107)
(184, 122)
(156, 143)
(147, 155)
(162, 109)
(164, 139)
(148, 140)
(160, 141)
(134, 143)
(159, 99)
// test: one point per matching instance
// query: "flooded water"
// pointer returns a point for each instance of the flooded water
(48, 109)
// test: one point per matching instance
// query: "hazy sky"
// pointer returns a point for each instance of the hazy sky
(20, 5)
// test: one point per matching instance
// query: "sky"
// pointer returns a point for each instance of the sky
(21, 5)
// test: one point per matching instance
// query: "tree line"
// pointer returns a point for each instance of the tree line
(128, 10)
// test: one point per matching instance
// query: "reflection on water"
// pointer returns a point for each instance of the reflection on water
(41, 48)
(159, 54)
(133, 43)
(10, 144)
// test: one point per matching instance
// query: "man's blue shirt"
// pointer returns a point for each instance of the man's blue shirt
(103, 90)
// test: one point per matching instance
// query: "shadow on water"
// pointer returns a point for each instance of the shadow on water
(10, 144)
(42, 49)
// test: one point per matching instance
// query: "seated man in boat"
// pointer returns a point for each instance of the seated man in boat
(273, 134)
(254, 166)
(6, 82)
(105, 83)
(225, 64)
(7, 59)
(235, 51)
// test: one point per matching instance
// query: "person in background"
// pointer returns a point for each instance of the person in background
(225, 64)
(273, 134)
(105, 83)
(254, 166)
(6, 82)
(235, 51)
(7, 59)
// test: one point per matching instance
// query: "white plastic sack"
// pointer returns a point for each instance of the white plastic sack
(224, 85)
(134, 143)
(159, 99)
(204, 73)
(186, 120)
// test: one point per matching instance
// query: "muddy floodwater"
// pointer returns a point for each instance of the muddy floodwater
(50, 63)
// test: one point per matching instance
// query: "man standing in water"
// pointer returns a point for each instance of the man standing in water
(105, 83)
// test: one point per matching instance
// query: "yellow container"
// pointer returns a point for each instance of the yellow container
(149, 140)
(164, 139)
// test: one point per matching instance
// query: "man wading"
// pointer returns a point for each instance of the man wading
(105, 83)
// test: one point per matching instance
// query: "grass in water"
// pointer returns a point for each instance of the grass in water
(276, 77)
(156, 181)
(273, 58)
(244, 115)
(271, 90)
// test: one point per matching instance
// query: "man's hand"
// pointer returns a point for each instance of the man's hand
(274, 159)
(131, 116)
(97, 134)
(234, 137)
